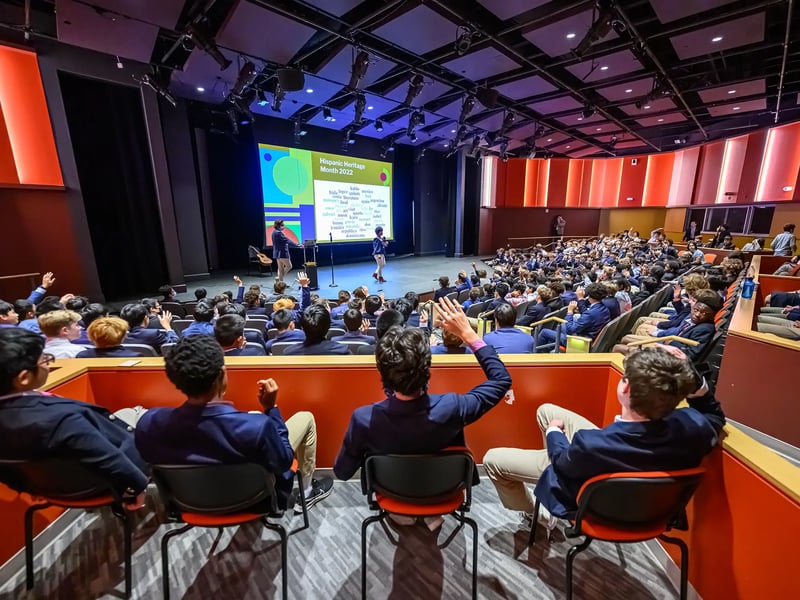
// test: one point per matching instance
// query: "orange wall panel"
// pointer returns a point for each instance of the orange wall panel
(515, 182)
(709, 169)
(8, 167)
(557, 185)
(684, 174)
(781, 165)
(632, 181)
(27, 120)
(658, 179)
(575, 182)
(731, 173)
(751, 167)
(606, 176)
(543, 182)
(531, 182)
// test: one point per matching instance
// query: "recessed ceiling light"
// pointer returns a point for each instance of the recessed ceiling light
(599, 129)
(549, 139)
(333, 118)
(628, 91)
(661, 120)
(568, 147)
(309, 91)
(737, 107)
(201, 89)
(580, 118)
(370, 107)
(604, 68)
(731, 91)
(452, 131)
(716, 39)
(570, 36)
(646, 106)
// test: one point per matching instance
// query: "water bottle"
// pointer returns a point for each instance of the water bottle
(748, 287)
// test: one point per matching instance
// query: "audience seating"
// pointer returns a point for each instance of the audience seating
(188, 308)
(353, 345)
(141, 349)
(259, 325)
(254, 345)
(257, 317)
(218, 496)
(420, 485)
(334, 332)
(463, 295)
(67, 484)
(710, 258)
(272, 333)
(278, 347)
(178, 325)
(166, 349)
(452, 296)
(475, 309)
(176, 308)
(521, 308)
(373, 331)
(631, 507)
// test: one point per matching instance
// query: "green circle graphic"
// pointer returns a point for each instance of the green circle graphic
(290, 175)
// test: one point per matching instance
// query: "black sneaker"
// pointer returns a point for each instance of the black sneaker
(320, 488)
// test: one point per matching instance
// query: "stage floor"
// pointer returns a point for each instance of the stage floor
(419, 274)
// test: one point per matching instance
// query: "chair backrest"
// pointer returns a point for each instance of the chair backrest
(252, 252)
(257, 324)
(176, 308)
(462, 296)
(334, 332)
(214, 489)
(255, 345)
(521, 308)
(178, 325)
(452, 296)
(419, 478)
(272, 333)
(278, 348)
(353, 345)
(58, 478)
(373, 331)
(188, 308)
(477, 308)
(637, 501)
(166, 349)
(142, 350)
(710, 258)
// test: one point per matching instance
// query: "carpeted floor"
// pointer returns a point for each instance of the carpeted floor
(324, 561)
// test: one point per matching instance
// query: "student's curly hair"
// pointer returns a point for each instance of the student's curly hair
(403, 357)
(658, 381)
(195, 364)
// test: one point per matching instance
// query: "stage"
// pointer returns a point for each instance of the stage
(419, 274)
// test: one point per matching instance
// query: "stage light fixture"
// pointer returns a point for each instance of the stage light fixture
(417, 118)
(247, 75)
(359, 69)
(530, 151)
(414, 88)
(539, 131)
(347, 141)
(207, 45)
(361, 105)
(461, 134)
(378, 125)
(159, 89)
(491, 138)
(278, 96)
(466, 107)
(613, 141)
(262, 98)
(327, 114)
(299, 131)
(476, 142)
(588, 111)
(412, 136)
(508, 121)
(234, 120)
(600, 28)
(463, 41)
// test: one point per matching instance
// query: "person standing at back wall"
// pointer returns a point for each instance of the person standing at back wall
(379, 244)
(280, 249)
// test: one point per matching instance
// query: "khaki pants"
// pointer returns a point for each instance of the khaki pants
(303, 440)
(380, 262)
(284, 266)
(787, 331)
(511, 468)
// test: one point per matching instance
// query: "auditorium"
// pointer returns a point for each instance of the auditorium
(399, 299)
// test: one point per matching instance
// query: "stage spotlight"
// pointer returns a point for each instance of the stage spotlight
(416, 118)
(421, 153)
(466, 107)
(464, 40)
(638, 104)
(347, 141)
(504, 151)
(327, 114)
(414, 88)
(262, 98)
(599, 29)
(233, 117)
(361, 105)
(539, 131)
(588, 111)
(613, 141)
(476, 142)
(243, 106)
(159, 89)
(491, 138)
(207, 45)
(278, 96)
(530, 151)
(508, 121)
(291, 80)
(378, 125)
(247, 75)
(359, 69)
(461, 135)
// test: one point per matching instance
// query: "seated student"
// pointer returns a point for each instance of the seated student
(780, 300)
(135, 315)
(284, 323)
(316, 321)
(451, 344)
(355, 329)
(89, 314)
(76, 303)
(107, 334)
(537, 311)
(474, 297)
(26, 311)
(60, 327)
(250, 335)
(388, 319)
(203, 315)
(252, 301)
(372, 308)
(413, 319)
(647, 287)
(608, 300)
(37, 425)
(682, 306)
(338, 310)
(444, 288)
(278, 291)
(47, 304)
(8, 316)
(206, 429)
(404, 307)
(507, 339)
(167, 293)
(517, 295)
(785, 324)
(200, 294)
(229, 333)
(153, 307)
(754, 246)
(791, 267)
(409, 420)
(588, 324)
(463, 282)
(650, 435)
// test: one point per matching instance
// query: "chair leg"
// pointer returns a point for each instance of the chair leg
(284, 556)
(474, 526)
(165, 556)
(128, 550)
(571, 554)
(684, 562)
(302, 495)
(29, 543)
(364, 524)
(532, 538)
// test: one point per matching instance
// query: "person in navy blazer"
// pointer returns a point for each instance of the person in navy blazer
(106, 335)
(507, 339)
(649, 435)
(284, 322)
(39, 425)
(280, 249)
(206, 429)
(354, 325)
(588, 324)
(536, 311)
(137, 318)
(316, 322)
(229, 333)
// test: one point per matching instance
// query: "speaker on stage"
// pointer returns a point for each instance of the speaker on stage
(311, 271)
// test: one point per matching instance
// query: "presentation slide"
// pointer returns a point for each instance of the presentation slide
(321, 195)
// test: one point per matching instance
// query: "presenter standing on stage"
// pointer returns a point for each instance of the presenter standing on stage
(379, 252)
(280, 249)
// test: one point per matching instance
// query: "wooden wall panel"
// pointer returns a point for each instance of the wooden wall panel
(632, 180)
(537, 222)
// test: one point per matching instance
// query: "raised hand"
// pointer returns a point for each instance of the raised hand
(238, 281)
(452, 319)
(303, 279)
(48, 279)
(165, 319)
(267, 393)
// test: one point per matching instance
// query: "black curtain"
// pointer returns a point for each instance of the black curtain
(109, 138)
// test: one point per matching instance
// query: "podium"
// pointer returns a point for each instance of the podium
(310, 267)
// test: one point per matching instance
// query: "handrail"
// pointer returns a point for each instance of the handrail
(488, 313)
(4, 277)
(667, 338)
(547, 320)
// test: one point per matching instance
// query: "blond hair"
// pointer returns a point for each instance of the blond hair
(53, 322)
(282, 303)
(107, 332)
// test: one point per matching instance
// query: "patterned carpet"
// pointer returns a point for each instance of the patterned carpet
(324, 561)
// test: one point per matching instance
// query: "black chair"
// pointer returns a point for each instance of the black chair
(272, 333)
(354, 345)
(419, 485)
(67, 484)
(631, 507)
(176, 308)
(278, 348)
(475, 309)
(142, 350)
(253, 259)
(462, 296)
(452, 296)
(218, 496)
(257, 324)
(334, 332)
(178, 325)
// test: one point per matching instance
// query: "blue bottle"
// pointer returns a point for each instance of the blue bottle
(748, 287)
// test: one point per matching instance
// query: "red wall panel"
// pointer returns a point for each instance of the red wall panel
(8, 166)
(557, 184)
(658, 179)
(751, 167)
(632, 181)
(537, 222)
(543, 182)
(575, 181)
(515, 181)
(531, 182)
(781, 165)
(708, 171)
(604, 190)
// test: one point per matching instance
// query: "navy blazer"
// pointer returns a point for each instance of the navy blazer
(426, 424)
(246, 351)
(325, 347)
(509, 340)
(682, 312)
(217, 434)
(534, 312)
(356, 336)
(442, 292)
(610, 302)
(290, 335)
(112, 352)
(702, 333)
(590, 322)
(679, 441)
(280, 244)
(37, 425)
(152, 337)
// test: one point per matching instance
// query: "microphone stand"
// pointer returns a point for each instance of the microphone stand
(333, 282)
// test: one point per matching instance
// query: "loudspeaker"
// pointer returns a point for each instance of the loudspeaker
(487, 97)
(311, 272)
(291, 80)
(634, 161)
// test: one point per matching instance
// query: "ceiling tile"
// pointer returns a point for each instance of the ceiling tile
(599, 128)
(419, 30)
(555, 137)
(552, 38)
(672, 10)
(732, 110)
(201, 70)
(567, 146)
(244, 31)
(491, 123)
(294, 101)
(638, 88)
(340, 66)
(612, 65)
(523, 132)
(511, 8)
(341, 119)
(525, 88)
(512, 145)
(335, 7)
(631, 144)
(555, 105)
(577, 119)
(657, 121)
(486, 62)
(739, 90)
(657, 105)
(734, 33)
(587, 151)
(430, 91)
